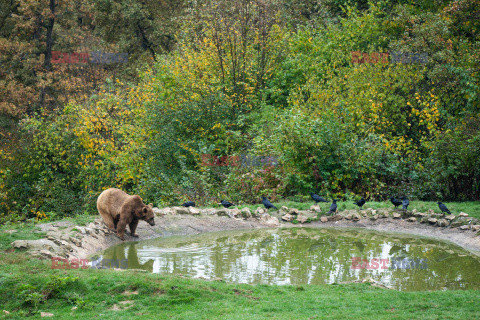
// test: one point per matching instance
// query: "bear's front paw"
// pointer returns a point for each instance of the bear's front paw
(135, 235)
(122, 237)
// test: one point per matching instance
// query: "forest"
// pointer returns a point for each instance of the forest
(203, 100)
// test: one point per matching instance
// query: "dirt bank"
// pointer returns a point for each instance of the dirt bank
(464, 238)
(69, 241)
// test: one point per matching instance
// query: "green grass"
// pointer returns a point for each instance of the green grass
(29, 287)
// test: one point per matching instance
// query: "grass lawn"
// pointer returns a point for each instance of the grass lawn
(29, 286)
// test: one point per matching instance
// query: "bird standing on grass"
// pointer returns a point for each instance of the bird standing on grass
(333, 207)
(443, 208)
(317, 198)
(405, 203)
(360, 202)
(267, 203)
(226, 204)
(395, 202)
(189, 204)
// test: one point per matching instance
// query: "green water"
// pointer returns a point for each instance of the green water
(305, 256)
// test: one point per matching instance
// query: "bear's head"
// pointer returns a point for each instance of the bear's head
(146, 213)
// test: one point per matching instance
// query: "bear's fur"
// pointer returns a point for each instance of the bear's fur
(119, 209)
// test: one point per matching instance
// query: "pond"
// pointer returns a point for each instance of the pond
(300, 256)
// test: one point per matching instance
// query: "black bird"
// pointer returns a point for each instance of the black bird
(267, 203)
(396, 202)
(360, 202)
(189, 204)
(333, 207)
(405, 203)
(226, 204)
(317, 198)
(443, 208)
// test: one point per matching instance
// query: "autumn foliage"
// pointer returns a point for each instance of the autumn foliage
(266, 78)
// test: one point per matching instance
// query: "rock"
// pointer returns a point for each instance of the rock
(269, 220)
(193, 211)
(459, 222)
(374, 217)
(353, 216)
(442, 223)
(259, 211)
(181, 210)
(424, 219)
(463, 214)
(63, 224)
(315, 208)
(476, 227)
(367, 211)
(414, 211)
(373, 212)
(293, 211)
(159, 212)
(20, 244)
(396, 215)
(208, 211)
(420, 214)
(223, 212)
(34, 244)
(412, 219)
(6, 312)
(450, 217)
(235, 213)
(284, 209)
(430, 211)
(288, 217)
(46, 253)
(46, 314)
(323, 219)
(246, 213)
(432, 220)
(76, 241)
(10, 231)
(336, 217)
(81, 230)
(301, 218)
(464, 227)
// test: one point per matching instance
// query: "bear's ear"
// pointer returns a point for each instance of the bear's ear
(150, 205)
(144, 211)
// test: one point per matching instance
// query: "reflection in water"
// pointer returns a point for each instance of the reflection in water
(304, 256)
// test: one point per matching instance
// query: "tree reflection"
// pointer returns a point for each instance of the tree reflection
(304, 256)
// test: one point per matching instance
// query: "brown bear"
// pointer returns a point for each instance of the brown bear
(119, 209)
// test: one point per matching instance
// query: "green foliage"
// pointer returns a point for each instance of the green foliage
(453, 169)
(256, 78)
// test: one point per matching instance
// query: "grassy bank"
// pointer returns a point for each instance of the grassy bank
(29, 287)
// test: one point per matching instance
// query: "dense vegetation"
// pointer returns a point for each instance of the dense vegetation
(306, 82)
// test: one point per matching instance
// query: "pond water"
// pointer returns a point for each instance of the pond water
(300, 256)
